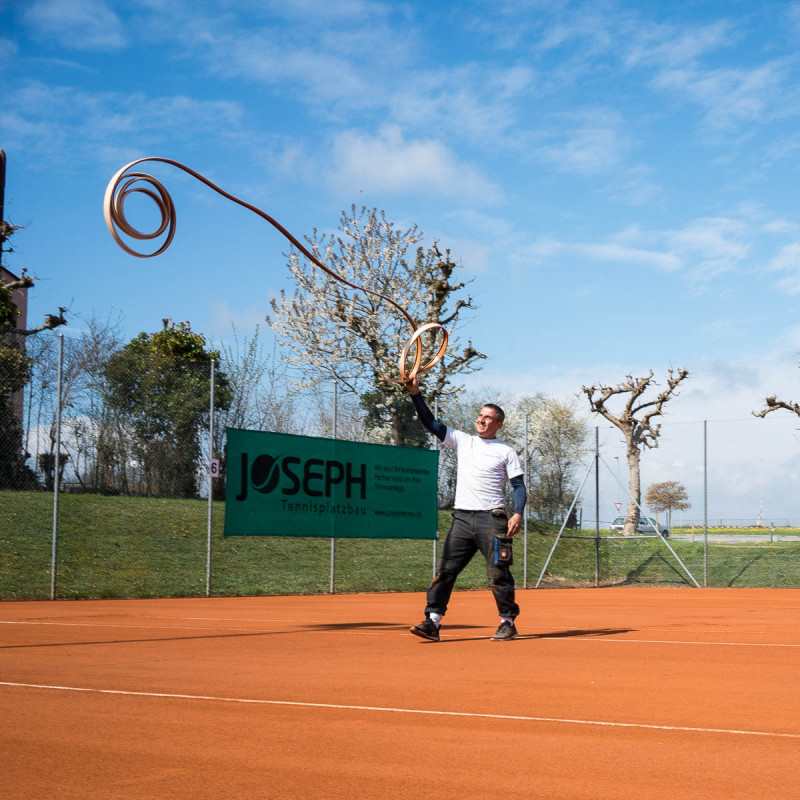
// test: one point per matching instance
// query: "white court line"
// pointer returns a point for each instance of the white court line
(656, 641)
(517, 717)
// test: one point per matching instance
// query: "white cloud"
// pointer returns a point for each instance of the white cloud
(325, 77)
(471, 102)
(730, 96)
(51, 121)
(225, 319)
(728, 329)
(351, 11)
(634, 187)
(8, 49)
(783, 148)
(620, 254)
(670, 48)
(387, 163)
(591, 143)
(78, 24)
(790, 284)
(701, 251)
(490, 226)
(779, 226)
(758, 216)
(332, 57)
(711, 246)
(603, 252)
(787, 259)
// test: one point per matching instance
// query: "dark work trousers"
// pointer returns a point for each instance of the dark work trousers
(472, 531)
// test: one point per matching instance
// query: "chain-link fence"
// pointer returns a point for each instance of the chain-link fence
(105, 491)
(718, 506)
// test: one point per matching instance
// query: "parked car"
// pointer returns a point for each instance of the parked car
(646, 525)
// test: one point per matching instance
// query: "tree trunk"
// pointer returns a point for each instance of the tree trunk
(634, 488)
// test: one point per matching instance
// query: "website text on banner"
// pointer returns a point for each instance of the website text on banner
(279, 484)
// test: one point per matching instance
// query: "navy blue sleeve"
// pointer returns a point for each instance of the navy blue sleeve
(438, 429)
(520, 494)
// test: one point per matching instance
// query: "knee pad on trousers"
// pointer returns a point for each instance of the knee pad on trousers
(443, 575)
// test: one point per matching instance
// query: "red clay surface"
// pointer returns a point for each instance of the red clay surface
(608, 693)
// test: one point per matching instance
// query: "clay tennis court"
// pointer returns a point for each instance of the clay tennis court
(609, 693)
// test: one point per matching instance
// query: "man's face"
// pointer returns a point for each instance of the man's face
(487, 424)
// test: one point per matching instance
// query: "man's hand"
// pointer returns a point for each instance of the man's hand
(412, 386)
(514, 524)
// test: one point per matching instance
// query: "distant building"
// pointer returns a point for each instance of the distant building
(19, 298)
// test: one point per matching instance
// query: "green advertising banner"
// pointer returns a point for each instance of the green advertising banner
(278, 484)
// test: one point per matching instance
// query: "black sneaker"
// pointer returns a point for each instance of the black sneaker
(426, 629)
(506, 632)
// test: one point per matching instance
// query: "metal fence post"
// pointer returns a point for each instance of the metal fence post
(597, 506)
(437, 446)
(525, 516)
(335, 435)
(57, 467)
(705, 503)
(209, 478)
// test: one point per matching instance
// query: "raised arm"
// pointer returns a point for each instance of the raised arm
(438, 429)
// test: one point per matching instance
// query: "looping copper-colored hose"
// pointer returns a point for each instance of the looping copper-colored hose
(124, 184)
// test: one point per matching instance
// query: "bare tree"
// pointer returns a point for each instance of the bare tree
(262, 398)
(355, 338)
(635, 421)
(92, 433)
(773, 404)
(667, 496)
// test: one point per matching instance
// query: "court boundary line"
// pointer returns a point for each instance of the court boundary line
(339, 706)
(658, 641)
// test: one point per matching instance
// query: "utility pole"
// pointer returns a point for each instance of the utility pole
(2, 202)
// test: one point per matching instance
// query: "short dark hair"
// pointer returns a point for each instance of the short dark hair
(501, 415)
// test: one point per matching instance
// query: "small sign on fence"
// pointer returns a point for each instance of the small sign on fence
(278, 484)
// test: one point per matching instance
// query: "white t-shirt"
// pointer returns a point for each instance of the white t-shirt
(483, 466)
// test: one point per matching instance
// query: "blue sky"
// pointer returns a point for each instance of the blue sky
(618, 179)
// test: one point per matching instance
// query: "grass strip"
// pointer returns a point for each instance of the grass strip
(154, 547)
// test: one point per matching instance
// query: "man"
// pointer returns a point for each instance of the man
(480, 515)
